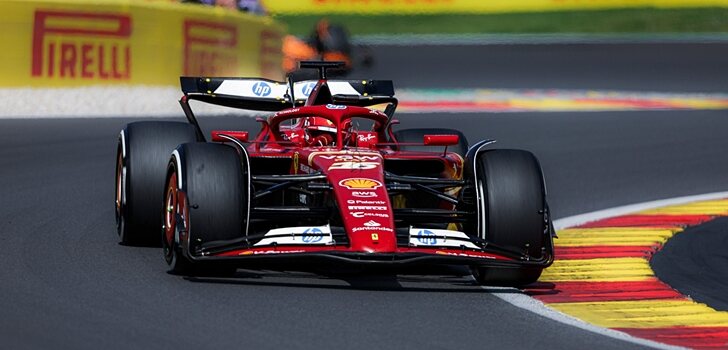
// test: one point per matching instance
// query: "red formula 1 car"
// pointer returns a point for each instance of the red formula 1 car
(327, 182)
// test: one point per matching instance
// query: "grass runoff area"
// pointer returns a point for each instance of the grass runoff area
(642, 20)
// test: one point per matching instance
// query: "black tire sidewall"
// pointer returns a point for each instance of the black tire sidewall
(147, 149)
(514, 199)
(214, 182)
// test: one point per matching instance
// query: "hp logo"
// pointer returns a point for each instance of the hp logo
(312, 235)
(307, 89)
(261, 89)
(426, 237)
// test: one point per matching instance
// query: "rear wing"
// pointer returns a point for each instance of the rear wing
(269, 95)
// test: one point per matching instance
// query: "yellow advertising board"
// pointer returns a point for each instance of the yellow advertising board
(467, 6)
(152, 42)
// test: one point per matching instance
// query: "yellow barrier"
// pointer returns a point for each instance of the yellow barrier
(77, 43)
(467, 6)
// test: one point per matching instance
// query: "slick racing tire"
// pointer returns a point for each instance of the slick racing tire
(513, 194)
(141, 159)
(206, 200)
(416, 136)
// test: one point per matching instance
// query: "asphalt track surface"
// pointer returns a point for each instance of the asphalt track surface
(66, 283)
(694, 262)
(639, 67)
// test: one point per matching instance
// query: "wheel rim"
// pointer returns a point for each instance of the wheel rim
(170, 216)
(175, 217)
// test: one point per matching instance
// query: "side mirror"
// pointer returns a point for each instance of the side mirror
(441, 140)
(241, 136)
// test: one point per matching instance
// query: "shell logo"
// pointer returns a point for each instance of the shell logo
(360, 184)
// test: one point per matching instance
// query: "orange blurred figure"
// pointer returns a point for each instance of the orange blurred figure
(327, 42)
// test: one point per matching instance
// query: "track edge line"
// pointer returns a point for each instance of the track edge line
(523, 301)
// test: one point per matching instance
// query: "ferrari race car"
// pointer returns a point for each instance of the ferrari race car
(327, 182)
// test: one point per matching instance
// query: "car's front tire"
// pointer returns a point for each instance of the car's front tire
(206, 200)
(512, 197)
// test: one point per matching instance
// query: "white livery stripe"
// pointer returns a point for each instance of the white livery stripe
(342, 88)
(252, 88)
(315, 235)
(421, 237)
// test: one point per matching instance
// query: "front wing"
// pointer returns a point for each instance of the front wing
(403, 255)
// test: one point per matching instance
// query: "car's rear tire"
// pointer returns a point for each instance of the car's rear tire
(416, 136)
(206, 200)
(513, 196)
(141, 159)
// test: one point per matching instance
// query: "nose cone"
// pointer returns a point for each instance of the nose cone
(364, 205)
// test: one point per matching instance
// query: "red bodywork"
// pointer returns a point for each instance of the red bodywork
(352, 161)
(355, 173)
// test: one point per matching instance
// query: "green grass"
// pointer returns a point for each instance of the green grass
(643, 20)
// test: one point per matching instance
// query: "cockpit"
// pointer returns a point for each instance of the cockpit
(318, 127)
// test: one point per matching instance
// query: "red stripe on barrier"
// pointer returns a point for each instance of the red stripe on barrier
(572, 292)
(690, 337)
(648, 220)
(597, 252)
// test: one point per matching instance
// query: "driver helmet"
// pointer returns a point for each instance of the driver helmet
(320, 131)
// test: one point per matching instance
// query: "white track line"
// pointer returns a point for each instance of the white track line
(518, 299)
(618, 211)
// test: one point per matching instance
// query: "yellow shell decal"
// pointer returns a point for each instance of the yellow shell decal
(360, 184)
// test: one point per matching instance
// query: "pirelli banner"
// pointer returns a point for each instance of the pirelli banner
(77, 43)
(290, 7)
